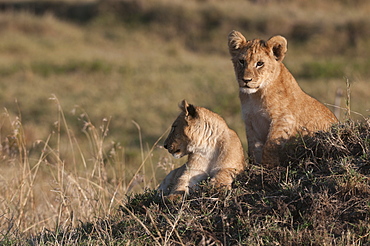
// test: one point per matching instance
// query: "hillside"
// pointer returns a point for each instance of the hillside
(320, 197)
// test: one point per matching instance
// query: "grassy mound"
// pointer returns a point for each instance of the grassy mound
(321, 197)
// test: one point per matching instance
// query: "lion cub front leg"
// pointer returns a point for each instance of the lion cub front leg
(280, 131)
(223, 178)
(190, 177)
(170, 180)
(270, 155)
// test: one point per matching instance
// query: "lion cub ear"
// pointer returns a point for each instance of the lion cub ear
(188, 109)
(236, 41)
(278, 44)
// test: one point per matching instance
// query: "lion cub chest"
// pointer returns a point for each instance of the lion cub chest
(256, 118)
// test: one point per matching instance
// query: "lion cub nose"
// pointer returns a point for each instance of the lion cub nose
(246, 80)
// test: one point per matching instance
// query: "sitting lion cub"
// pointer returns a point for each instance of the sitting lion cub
(274, 107)
(213, 149)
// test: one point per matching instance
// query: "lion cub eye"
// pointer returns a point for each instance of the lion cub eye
(259, 64)
(242, 62)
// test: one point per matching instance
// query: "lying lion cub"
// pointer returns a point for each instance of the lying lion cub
(213, 149)
(274, 107)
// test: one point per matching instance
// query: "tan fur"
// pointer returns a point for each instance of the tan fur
(274, 107)
(213, 149)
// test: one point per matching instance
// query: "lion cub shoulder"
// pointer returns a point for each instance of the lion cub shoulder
(214, 150)
(274, 107)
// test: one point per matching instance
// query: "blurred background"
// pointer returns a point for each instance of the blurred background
(136, 60)
(93, 85)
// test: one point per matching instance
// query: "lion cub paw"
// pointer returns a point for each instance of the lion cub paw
(215, 183)
(175, 196)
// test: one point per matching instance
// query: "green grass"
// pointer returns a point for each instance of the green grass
(85, 102)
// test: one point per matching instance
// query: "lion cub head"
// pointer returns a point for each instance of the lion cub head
(256, 62)
(178, 141)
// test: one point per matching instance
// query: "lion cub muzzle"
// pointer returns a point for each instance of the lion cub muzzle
(248, 84)
(175, 142)
(245, 83)
(248, 81)
(174, 149)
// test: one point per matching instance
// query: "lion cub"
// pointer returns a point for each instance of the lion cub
(274, 107)
(213, 149)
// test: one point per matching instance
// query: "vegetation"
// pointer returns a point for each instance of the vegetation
(89, 95)
(320, 197)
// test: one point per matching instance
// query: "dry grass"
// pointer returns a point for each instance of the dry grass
(321, 197)
(41, 189)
